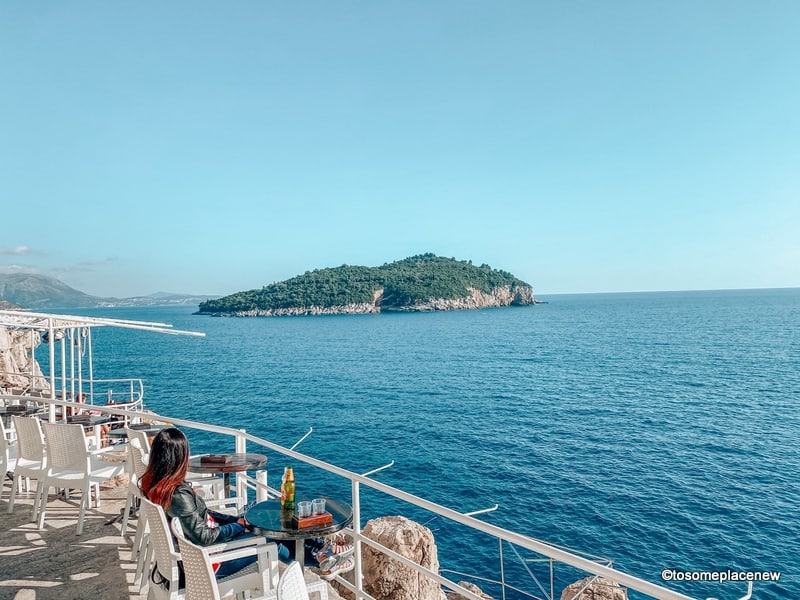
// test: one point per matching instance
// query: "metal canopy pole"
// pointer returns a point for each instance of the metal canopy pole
(51, 346)
(91, 370)
(63, 367)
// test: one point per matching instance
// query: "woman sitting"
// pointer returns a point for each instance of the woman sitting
(164, 483)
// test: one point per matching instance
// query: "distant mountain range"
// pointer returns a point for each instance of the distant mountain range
(39, 292)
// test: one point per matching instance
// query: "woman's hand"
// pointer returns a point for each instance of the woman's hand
(243, 522)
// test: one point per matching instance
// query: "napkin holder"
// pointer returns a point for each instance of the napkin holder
(312, 520)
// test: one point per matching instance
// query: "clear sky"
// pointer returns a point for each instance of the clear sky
(585, 146)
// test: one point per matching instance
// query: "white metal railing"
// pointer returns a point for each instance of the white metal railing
(548, 552)
(96, 391)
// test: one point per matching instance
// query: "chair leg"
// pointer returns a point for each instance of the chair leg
(42, 491)
(85, 499)
(143, 567)
(140, 539)
(128, 506)
(40, 504)
(13, 495)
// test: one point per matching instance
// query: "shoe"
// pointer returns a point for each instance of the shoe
(341, 564)
(333, 549)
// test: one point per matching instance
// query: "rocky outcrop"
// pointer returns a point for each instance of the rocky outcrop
(594, 588)
(498, 297)
(16, 364)
(298, 311)
(472, 588)
(387, 579)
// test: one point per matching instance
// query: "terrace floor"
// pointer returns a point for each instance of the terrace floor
(57, 564)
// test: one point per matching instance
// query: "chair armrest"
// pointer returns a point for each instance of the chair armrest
(110, 454)
(231, 503)
(234, 553)
(251, 541)
(267, 555)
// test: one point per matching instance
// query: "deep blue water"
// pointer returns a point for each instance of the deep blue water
(656, 429)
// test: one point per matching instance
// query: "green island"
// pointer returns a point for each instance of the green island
(424, 282)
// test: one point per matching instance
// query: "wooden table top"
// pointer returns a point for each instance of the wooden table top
(239, 462)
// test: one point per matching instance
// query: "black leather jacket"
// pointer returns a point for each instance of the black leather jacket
(192, 512)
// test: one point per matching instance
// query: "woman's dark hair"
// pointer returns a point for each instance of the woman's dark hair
(166, 467)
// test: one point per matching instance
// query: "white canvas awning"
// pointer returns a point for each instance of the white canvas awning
(54, 328)
(45, 321)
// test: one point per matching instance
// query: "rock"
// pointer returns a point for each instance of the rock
(596, 589)
(15, 359)
(499, 296)
(117, 481)
(387, 579)
(468, 586)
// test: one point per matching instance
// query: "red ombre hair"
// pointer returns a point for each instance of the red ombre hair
(166, 467)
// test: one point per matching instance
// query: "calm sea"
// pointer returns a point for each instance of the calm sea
(659, 430)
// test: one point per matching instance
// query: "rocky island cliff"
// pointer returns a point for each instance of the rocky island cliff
(425, 282)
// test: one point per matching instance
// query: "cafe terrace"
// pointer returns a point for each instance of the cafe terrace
(47, 558)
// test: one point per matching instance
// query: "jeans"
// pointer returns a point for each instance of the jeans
(232, 566)
(285, 555)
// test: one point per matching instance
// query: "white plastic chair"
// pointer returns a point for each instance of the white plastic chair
(139, 550)
(165, 561)
(71, 466)
(136, 468)
(201, 582)
(8, 458)
(141, 436)
(293, 586)
(31, 461)
(8, 432)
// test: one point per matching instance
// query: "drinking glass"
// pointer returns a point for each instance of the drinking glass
(303, 509)
(318, 506)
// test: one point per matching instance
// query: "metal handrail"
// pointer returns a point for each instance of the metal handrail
(357, 480)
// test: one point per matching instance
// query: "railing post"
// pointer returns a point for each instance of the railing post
(241, 447)
(261, 486)
(357, 531)
(502, 571)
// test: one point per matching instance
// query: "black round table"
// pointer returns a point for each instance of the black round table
(149, 430)
(269, 520)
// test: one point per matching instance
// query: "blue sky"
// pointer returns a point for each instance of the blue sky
(210, 147)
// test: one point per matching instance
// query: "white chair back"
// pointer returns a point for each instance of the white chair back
(66, 447)
(31, 459)
(29, 438)
(139, 458)
(201, 584)
(137, 465)
(292, 585)
(140, 436)
(165, 579)
(8, 432)
(8, 460)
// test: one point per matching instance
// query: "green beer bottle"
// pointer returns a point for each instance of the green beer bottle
(287, 489)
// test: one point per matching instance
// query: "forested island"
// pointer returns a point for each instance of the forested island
(424, 282)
